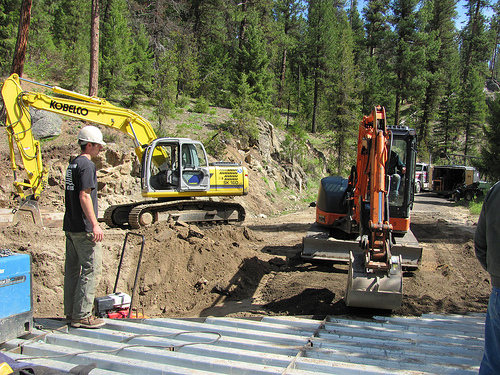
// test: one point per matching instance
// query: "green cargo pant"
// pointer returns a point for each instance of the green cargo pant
(82, 273)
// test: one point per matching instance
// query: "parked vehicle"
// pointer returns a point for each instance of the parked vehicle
(467, 192)
(423, 177)
(358, 222)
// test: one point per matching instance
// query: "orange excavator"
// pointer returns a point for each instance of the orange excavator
(365, 219)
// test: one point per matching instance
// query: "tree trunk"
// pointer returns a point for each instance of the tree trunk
(396, 109)
(22, 38)
(94, 49)
(243, 24)
(468, 59)
(398, 98)
(283, 73)
(315, 102)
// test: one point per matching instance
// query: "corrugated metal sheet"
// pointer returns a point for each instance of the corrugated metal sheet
(431, 344)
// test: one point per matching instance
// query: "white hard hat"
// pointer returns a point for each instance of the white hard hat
(90, 134)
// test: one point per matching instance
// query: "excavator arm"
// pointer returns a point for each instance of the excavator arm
(371, 190)
(375, 276)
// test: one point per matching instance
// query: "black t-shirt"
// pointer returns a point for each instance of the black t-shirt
(395, 164)
(80, 175)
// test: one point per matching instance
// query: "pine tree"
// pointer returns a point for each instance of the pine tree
(43, 56)
(441, 46)
(358, 32)
(377, 27)
(9, 21)
(410, 55)
(188, 79)
(115, 48)
(474, 111)
(377, 69)
(141, 67)
(490, 152)
(445, 132)
(252, 73)
(320, 39)
(288, 15)
(165, 85)
(214, 29)
(474, 58)
(342, 104)
(474, 39)
(70, 31)
(495, 40)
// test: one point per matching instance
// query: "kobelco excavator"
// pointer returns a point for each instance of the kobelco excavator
(365, 219)
(173, 170)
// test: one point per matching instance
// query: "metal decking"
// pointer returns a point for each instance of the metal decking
(430, 344)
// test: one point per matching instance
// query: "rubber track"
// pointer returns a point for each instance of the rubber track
(136, 209)
(111, 212)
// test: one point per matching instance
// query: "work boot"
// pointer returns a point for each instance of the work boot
(89, 322)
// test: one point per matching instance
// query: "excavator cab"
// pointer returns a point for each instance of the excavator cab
(404, 143)
(175, 164)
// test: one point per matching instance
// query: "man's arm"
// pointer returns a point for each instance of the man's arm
(88, 210)
(480, 239)
(401, 166)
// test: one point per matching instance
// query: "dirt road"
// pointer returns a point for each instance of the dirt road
(256, 268)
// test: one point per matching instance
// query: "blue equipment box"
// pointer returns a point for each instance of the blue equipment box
(16, 307)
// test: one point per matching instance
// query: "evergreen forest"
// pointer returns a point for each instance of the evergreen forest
(314, 67)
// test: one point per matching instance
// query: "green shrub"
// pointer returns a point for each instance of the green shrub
(182, 102)
(201, 106)
(476, 205)
(215, 144)
(242, 127)
(277, 185)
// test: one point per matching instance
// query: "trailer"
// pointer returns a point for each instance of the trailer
(446, 179)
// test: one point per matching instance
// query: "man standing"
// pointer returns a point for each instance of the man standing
(487, 247)
(83, 265)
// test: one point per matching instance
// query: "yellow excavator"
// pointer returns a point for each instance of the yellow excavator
(174, 171)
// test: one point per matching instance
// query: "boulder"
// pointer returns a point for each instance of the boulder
(45, 124)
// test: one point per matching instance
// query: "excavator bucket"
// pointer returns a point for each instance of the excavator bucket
(29, 213)
(319, 244)
(377, 290)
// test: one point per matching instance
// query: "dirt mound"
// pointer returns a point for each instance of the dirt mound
(188, 269)
(183, 269)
